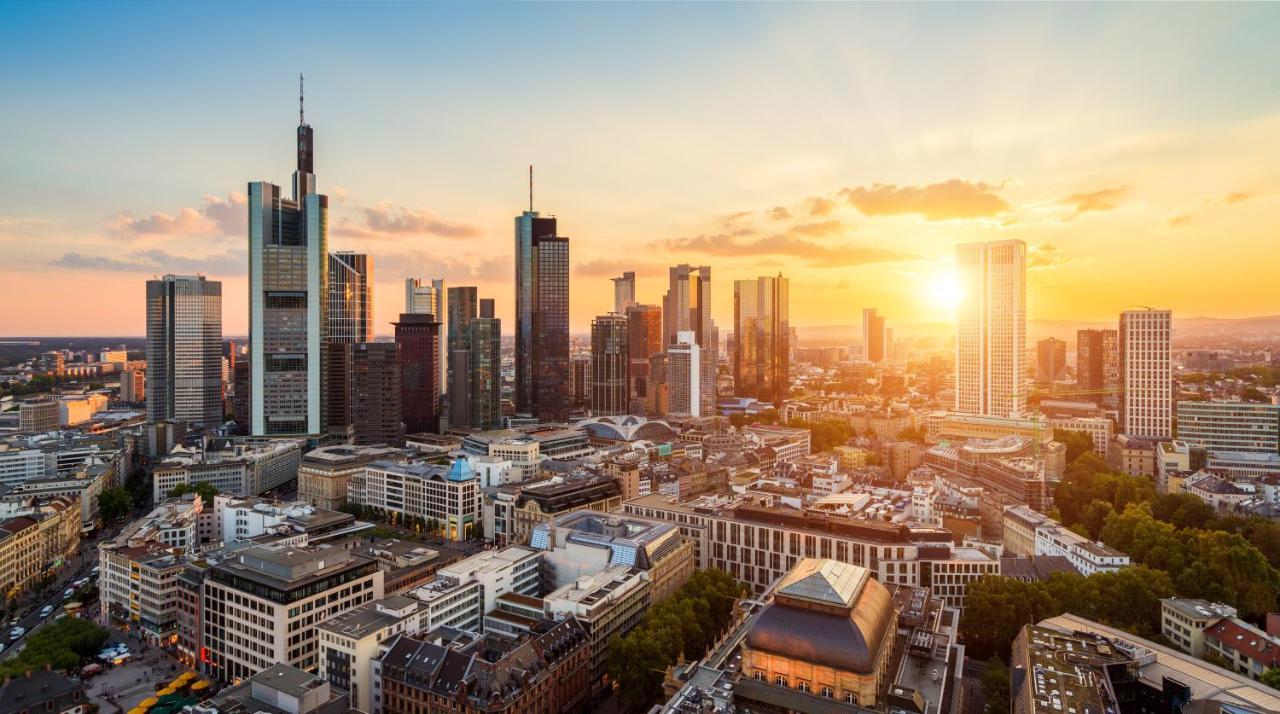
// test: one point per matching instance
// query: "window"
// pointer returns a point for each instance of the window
(803, 686)
(827, 693)
(780, 680)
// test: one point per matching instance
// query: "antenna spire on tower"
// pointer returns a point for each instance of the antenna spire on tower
(301, 121)
(530, 188)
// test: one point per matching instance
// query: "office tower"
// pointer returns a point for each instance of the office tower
(375, 394)
(991, 328)
(229, 353)
(288, 301)
(873, 336)
(337, 386)
(1236, 427)
(656, 401)
(687, 308)
(241, 403)
(610, 357)
(432, 299)
(184, 350)
(1146, 398)
(133, 385)
(580, 381)
(684, 381)
(419, 339)
(542, 318)
(462, 310)
(350, 297)
(644, 339)
(624, 292)
(486, 368)
(1098, 361)
(1051, 360)
(762, 331)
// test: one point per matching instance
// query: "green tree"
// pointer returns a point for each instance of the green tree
(1271, 678)
(1182, 510)
(996, 608)
(205, 490)
(995, 686)
(62, 645)
(114, 504)
(1078, 443)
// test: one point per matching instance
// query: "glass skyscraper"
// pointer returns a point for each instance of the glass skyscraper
(350, 297)
(991, 328)
(184, 350)
(542, 318)
(762, 336)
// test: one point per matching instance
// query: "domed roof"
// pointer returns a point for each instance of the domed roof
(826, 613)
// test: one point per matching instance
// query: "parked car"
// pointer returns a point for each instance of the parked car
(68, 594)
(17, 632)
(46, 611)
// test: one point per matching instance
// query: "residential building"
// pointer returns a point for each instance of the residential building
(418, 337)
(1183, 621)
(828, 631)
(1098, 362)
(350, 297)
(350, 642)
(22, 560)
(1248, 650)
(261, 606)
(1086, 556)
(610, 358)
(762, 329)
(133, 386)
(686, 308)
(607, 604)
(1146, 356)
(448, 497)
(542, 318)
(288, 301)
(684, 376)
(873, 343)
(1051, 360)
(991, 328)
(184, 349)
(324, 473)
(44, 691)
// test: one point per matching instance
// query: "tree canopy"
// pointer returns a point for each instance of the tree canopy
(62, 645)
(205, 490)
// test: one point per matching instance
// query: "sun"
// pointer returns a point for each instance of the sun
(942, 292)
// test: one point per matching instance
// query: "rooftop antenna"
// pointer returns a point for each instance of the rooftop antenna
(301, 122)
(530, 188)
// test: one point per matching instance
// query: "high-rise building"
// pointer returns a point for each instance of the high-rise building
(133, 385)
(542, 318)
(644, 340)
(991, 328)
(350, 297)
(288, 300)
(432, 298)
(375, 394)
(462, 310)
(873, 335)
(610, 358)
(1146, 369)
(684, 381)
(1237, 427)
(762, 330)
(337, 386)
(419, 338)
(580, 381)
(1051, 360)
(485, 354)
(687, 308)
(656, 394)
(624, 292)
(1098, 362)
(184, 350)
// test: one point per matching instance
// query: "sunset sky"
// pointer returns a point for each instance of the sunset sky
(1135, 148)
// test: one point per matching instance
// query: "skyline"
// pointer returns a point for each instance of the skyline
(855, 171)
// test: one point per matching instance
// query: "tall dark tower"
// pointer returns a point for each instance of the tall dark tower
(304, 178)
(542, 316)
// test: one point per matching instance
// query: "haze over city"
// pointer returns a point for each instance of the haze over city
(851, 147)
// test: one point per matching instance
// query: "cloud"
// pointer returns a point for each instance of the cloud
(386, 219)
(216, 216)
(819, 206)
(1209, 204)
(1043, 256)
(462, 268)
(815, 254)
(779, 213)
(608, 268)
(1237, 197)
(1107, 199)
(949, 200)
(156, 261)
(822, 228)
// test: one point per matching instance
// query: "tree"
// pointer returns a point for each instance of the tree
(995, 686)
(205, 490)
(1182, 510)
(1078, 443)
(1253, 394)
(1271, 678)
(912, 433)
(62, 645)
(995, 610)
(114, 504)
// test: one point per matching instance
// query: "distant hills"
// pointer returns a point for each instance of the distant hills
(821, 335)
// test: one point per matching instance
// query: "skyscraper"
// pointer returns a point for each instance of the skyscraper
(991, 328)
(1051, 360)
(542, 318)
(1098, 362)
(421, 298)
(873, 335)
(762, 331)
(684, 380)
(184, 350)
(610, 358)
(486, 368)
(288, 300)
(1146, 400)
(644, 340)
(462, 310)
(419, 339)
(624, 292)
(375, 393)
(350, 297)
(687, 308)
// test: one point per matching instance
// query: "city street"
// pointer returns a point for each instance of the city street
(78, 566)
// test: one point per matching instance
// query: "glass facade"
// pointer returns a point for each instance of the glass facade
(184, 350)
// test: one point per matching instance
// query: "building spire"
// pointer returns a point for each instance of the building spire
(301, 121)
(530, 188)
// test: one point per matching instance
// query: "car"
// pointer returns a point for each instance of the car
(68, 594)
(17, 632)
(46, 611)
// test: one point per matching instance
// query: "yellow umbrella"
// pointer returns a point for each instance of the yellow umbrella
(137, 710)
(186, 676)
(165, 692)
(200, 686)
(148, 703)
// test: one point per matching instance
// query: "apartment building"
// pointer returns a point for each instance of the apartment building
(350, 643)
(324, 473)
(1086, 556)
(448, 497)
(607, 604)
(1183, 621)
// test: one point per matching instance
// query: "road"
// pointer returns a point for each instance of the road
(78, 566)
